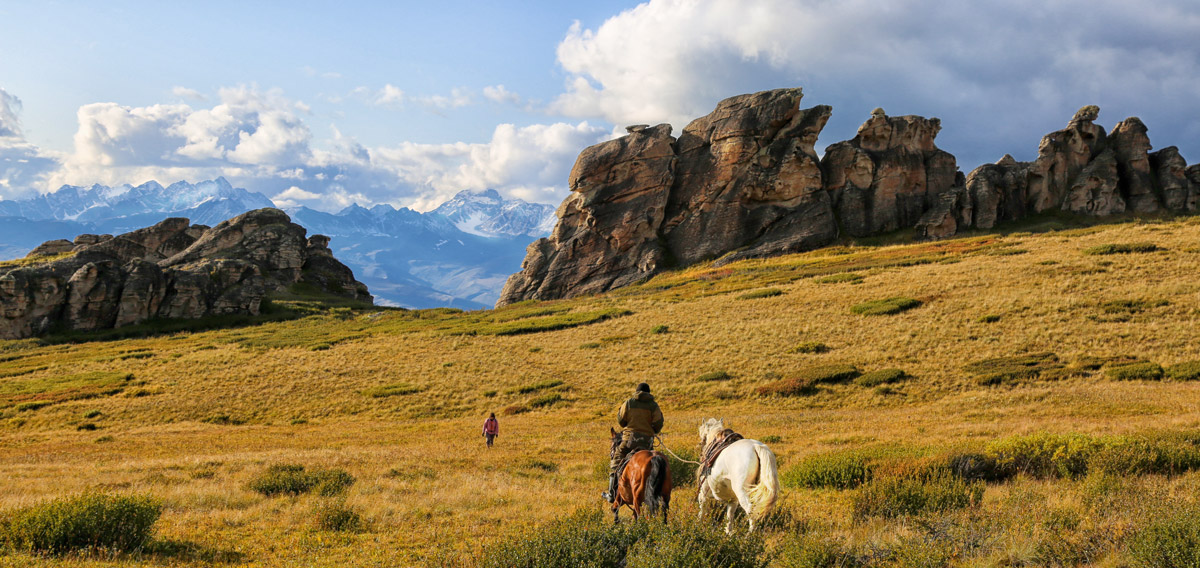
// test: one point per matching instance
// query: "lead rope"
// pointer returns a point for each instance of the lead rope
(663, 445)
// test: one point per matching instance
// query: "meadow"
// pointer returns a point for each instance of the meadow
(1060, 366)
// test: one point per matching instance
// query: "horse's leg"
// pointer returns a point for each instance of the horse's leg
(730, 510)
(743, 499)
(701, 499)
(616, 510)
(637, 488)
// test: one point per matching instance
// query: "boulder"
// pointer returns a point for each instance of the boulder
(52, 248)
(171, 270)
(1169, 171)
(997, 192)
(1062, 155)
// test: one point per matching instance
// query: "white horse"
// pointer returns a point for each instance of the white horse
(744, 474)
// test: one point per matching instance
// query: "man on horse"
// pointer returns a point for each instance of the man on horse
(640, 420)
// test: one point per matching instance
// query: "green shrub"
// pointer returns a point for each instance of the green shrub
(880, 377)
(683, 474)
(91, 521)
(659, 329)
(86, 427)
(999, 370)
(1121, 248)
(334, 515)
(224, 420)
(788, 387)
(714, 376)
(837, 470)
(973, 466)
(543, 385)
(1156, 453)
(588, 539)
(396, 389)
(590, 345)
(91, 414)
(1044, 455)
(771, 439)
(545, 400)
(1171, 540)
(28, 406)
(842, 277)
(514, 410)
(293, 479)
(885, 307)
(811, 347)
(1141, 371)
(828, 373)
(910, 495)
(1130, 306)
(1189, 371)
(990, 318)
(489, 393)
(799, 550)
(764, 293)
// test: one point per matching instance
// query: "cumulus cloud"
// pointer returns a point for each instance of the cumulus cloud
(499, 94)
(389, 95)
(23, 166)
(998, 74)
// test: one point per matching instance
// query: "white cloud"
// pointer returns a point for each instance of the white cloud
(458, 98)
(10, 106)
(23, 166)
(388, 95)
(191, 94)
(998, 77)
(499, 94)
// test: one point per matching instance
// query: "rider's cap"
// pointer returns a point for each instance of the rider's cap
(643, 387)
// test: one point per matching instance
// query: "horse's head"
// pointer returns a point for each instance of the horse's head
(709, 430)
(616, 441)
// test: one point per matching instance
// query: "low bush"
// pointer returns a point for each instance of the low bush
(1131, 306)
(850, 277)
(683, 474)
(885, 307)
(223, 420)
(811, 347)
(1189, 371)
(92, 414)
(828, 373)
(1171, 540)
(788, 387)
(837, 470)
(770, 439)
(543, 385)
(1126, 248)
(294, 479)
(810, 551)
(514, 409)
(396, 389)
(545, 400)
(910, 495)
(86, 427)
(659, 329)
(1000, 370)
(714, 376)
(1140, 371)
(334, 515)
(1044, 455)
(880, 377)
(92, 521)
(764, 293)
(587, 538)
(990, 318)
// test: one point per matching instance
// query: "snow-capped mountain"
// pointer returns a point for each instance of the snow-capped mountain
(489, 215)
(458, 255)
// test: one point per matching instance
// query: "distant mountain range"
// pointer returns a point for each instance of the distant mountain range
(457, 255)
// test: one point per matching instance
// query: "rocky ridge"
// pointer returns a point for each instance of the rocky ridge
(173, 269)
(745, 181)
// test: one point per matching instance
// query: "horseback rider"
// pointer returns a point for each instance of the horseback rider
(640, 419)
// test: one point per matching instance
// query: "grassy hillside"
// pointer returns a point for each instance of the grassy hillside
(883, 358)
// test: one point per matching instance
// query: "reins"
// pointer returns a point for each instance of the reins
(663, 445)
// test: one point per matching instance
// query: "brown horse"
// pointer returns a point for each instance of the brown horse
(645, 482)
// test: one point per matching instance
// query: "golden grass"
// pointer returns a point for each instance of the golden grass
(303, 392)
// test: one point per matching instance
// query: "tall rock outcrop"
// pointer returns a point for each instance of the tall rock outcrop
(171, 270)
(745, 181)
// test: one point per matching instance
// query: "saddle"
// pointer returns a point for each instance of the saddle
(714, 449)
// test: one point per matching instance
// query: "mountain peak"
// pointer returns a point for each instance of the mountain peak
(488, 214)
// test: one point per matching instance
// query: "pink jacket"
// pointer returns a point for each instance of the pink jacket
(491, 426)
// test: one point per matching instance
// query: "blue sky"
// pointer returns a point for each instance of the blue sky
(324, 104)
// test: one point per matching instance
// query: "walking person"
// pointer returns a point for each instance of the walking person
(491, 429)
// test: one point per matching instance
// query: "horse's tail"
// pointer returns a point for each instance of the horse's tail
(652, 497)
(764, 495)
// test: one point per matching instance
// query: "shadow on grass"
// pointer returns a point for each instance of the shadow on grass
(169, 552)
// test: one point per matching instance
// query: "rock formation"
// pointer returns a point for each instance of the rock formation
(171, 270)
(745, 181)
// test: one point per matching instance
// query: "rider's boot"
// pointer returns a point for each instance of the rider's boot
(611, 494)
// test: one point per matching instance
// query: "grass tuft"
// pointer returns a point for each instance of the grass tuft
(714, 376)
(1188, 371)
(396, 389)
(1126, 248)
(764, 293)
(811, 347)
(1140, 371)
(1001, 370)
(880, 377)
(885, 307)
(293, 479)
(915, 495)
(92, 521)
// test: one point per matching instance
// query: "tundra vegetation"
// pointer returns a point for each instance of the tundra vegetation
(983, 409)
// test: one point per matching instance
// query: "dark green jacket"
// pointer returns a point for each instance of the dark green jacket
(640, 414)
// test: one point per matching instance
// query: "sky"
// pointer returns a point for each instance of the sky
(325, 104)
